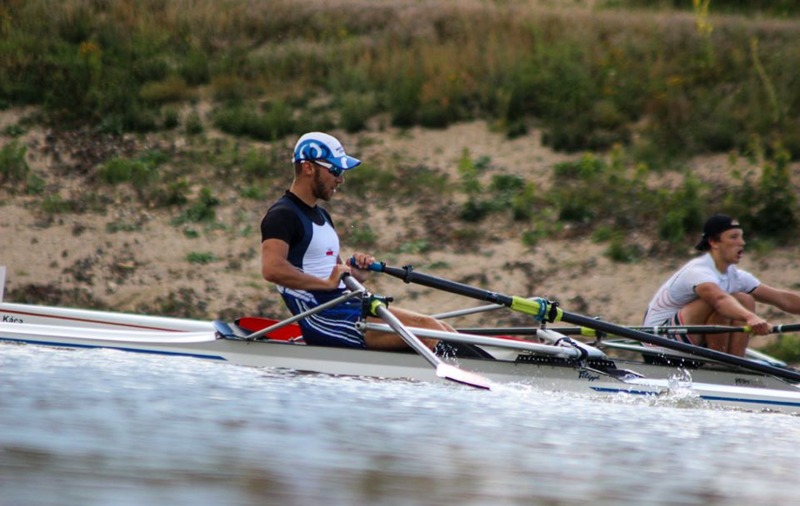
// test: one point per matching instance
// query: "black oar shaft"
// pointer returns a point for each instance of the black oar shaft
(679, 346)
(789, 327)
(665, 330)
(409, 276)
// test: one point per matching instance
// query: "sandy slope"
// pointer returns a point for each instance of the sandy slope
(138, 270)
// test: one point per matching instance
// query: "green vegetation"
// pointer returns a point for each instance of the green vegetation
(776, 8)
(787, 348)
(768, 203)
(617, 200)
(683, 84)
(201, 257)
(144, 175)
(202, 210)
(361, 235)
(14, 170)
(636, 91)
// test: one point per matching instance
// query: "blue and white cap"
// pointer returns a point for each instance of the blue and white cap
(320, 146)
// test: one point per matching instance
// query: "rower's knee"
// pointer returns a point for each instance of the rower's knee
(697, 312)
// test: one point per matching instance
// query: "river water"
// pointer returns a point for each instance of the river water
(102, 427)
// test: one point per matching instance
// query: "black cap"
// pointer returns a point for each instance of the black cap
(715, 225)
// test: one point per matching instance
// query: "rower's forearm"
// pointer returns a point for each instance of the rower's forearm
(731, 308)
(298, 281)
(290, 277)
(791, 305)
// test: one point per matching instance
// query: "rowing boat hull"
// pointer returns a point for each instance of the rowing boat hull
(142, 325)
(347, 362)
(276, 354)
(85, 318)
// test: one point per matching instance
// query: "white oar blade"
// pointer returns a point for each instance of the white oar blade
(453, 373)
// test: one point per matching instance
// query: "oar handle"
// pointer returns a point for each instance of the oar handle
(374, 266)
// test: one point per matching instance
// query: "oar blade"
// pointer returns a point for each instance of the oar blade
(453, 373)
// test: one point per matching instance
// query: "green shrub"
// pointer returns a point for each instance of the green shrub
(261, 163)
(525, 202)
(14, 167)
(369, 178)
(622, 252)
(230, 89)
(787, 348)
(143, 174)
(361, 236)
(194, 67)
(118, 170)
(356, 109)
(252, 192)
(777, 217)
(767, 207)
(171, 89)
(172, 118)
(586, 168)
(15, 130)
(201, 257)
(593, 191)
(194, 124)
(415, 247)
(202, 210)
(115, 226)
(35, 184)
(274, 123)
(684, 211)
(780, 8)
(474, 210)
(404, 99)
(55, 204)
(174, 194)
(603, 234)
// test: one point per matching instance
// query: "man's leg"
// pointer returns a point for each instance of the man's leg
(334, 326)
(698, 312)
(389, 341)
(739, 340)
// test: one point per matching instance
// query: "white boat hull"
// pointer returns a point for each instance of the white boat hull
(83, 318)
(73, 328)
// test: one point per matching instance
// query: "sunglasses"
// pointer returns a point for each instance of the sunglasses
(335, 171)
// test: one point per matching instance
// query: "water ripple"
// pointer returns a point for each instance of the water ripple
(105, 427)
